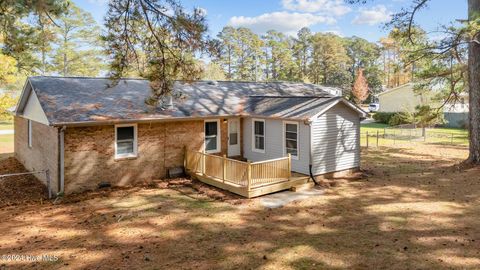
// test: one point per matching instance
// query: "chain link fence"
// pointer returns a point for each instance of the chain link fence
(397, 136)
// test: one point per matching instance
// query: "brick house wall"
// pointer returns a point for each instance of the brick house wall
(90, 153)
(44, 151)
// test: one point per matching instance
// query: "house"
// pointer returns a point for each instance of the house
(404, 99)
(86, 131)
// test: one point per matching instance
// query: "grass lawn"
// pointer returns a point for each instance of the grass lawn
(416, 210)
(6, 125)
(6, 144)
(454, 136)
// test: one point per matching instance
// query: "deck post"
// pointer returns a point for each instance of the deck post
(224, 167)
(249, 175)
(289, 165)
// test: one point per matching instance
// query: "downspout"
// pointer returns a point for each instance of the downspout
(310, 165)
(61, 160)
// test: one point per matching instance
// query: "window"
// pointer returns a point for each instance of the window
(125, 141)
(291, 138)
(259, 136)
(212, 138)
(29, 132)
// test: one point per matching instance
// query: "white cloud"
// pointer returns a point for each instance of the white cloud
(335, 32)
(285, 22)
(374, 15)
(330, 7)
(202, 11)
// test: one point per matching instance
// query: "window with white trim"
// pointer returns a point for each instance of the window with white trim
(291, 138)
(125, 141)
(259, 135)
(212, 136)
(29, 132)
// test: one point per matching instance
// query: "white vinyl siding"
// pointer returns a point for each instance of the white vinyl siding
(125, 141)
(212, 136)
(335, 140)
(33, 110)
(274, 143)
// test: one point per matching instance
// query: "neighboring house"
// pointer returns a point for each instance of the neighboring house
(86, 132)
(403, 98)
(456, 113)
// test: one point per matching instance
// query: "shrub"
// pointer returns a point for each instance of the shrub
(6, 102)
(383, 117)
(399, 119)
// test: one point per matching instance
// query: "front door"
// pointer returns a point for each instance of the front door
(233, 137)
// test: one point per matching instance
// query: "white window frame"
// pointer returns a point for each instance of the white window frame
(254, 149)
(285, 138)
(29, 133)
(135, 142)
(219, 147)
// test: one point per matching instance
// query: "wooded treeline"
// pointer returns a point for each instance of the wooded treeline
(320, 58)
(67, 41)
(51, 38)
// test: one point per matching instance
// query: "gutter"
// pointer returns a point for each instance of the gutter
(156, 120)
(310, 165)
(61, 159)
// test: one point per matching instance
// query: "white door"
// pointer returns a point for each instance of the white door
(233, 137)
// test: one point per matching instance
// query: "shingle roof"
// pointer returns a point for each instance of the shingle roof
(288, 106)
(84, 99)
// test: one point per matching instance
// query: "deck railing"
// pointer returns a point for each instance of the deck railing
(239, 173)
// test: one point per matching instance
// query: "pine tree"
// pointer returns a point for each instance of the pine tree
(77, 44)
(360, 87)
(159, 33)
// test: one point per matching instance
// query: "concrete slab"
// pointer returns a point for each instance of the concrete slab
(280, 199)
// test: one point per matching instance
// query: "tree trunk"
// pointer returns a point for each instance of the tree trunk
(474, 89)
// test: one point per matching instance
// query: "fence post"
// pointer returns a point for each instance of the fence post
(289, 165)
(394, 138)
(377, 138)
(367, 139)
(47, 176)
(249, 174)
(224, 167)
(384, 132)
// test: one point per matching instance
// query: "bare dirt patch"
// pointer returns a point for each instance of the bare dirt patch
(23, 189)
(416, 210)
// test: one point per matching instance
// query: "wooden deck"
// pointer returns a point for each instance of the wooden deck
(248, 179)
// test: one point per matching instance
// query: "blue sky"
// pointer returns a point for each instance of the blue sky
(319, 15)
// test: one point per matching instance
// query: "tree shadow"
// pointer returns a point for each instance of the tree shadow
(425, 218)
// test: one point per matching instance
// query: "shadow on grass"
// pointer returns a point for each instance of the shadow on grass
(389, 221)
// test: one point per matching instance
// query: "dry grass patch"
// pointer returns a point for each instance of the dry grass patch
(416, 210)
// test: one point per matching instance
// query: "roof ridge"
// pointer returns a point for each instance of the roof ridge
(294, 96)
(84, 77)
(206, 81)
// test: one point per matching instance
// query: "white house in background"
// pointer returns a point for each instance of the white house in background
(401, 99)
(404, 99)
